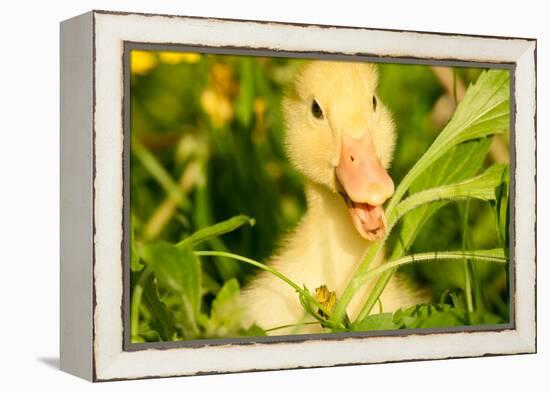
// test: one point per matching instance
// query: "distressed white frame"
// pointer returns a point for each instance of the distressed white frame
(106, 359)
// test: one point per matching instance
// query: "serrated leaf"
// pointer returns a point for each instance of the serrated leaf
(484, 111)
(485, 187)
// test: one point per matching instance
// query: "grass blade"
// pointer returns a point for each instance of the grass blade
(216, 230)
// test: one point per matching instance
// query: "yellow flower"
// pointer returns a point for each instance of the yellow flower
(325, 297)
(141, 62)
(217, 106)
(179, 57)
(216, 100)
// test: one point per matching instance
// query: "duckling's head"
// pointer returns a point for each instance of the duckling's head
(340, 135)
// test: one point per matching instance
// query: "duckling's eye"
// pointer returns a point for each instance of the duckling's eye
(316, 110)
(374, 103)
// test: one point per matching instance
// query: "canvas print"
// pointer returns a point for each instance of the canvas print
(276, 196)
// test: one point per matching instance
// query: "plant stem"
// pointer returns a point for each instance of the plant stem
(353, 285)
(377, 291)
(466, 263)
(275, 272)
(291, 325)
(477, 292)
(250, 262)
(496, 255)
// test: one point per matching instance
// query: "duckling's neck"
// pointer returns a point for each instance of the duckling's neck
(329, 206)
(331, 230)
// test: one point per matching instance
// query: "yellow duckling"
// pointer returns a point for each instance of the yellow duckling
(341, 137)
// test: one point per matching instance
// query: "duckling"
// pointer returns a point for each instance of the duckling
(341, 137)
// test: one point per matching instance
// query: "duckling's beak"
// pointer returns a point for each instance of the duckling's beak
(365, 185)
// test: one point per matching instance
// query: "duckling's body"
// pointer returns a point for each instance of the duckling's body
(332, 116)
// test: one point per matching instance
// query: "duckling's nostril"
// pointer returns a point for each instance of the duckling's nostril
(352, 158)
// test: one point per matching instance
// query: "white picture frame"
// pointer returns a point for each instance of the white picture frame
(93, 86)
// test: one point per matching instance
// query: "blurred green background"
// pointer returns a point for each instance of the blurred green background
(207, 135)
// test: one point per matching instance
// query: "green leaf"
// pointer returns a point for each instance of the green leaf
(484, 111)
(374, 322)
(147, 334)
(253, 331)
(162, 319)
(484, 318)
(216, 230)
(430, 315)
(179, 270)
(440, 315)
(483, 187)
(225, 315)
(465, 160)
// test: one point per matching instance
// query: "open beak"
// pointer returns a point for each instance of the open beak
(364, 184)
